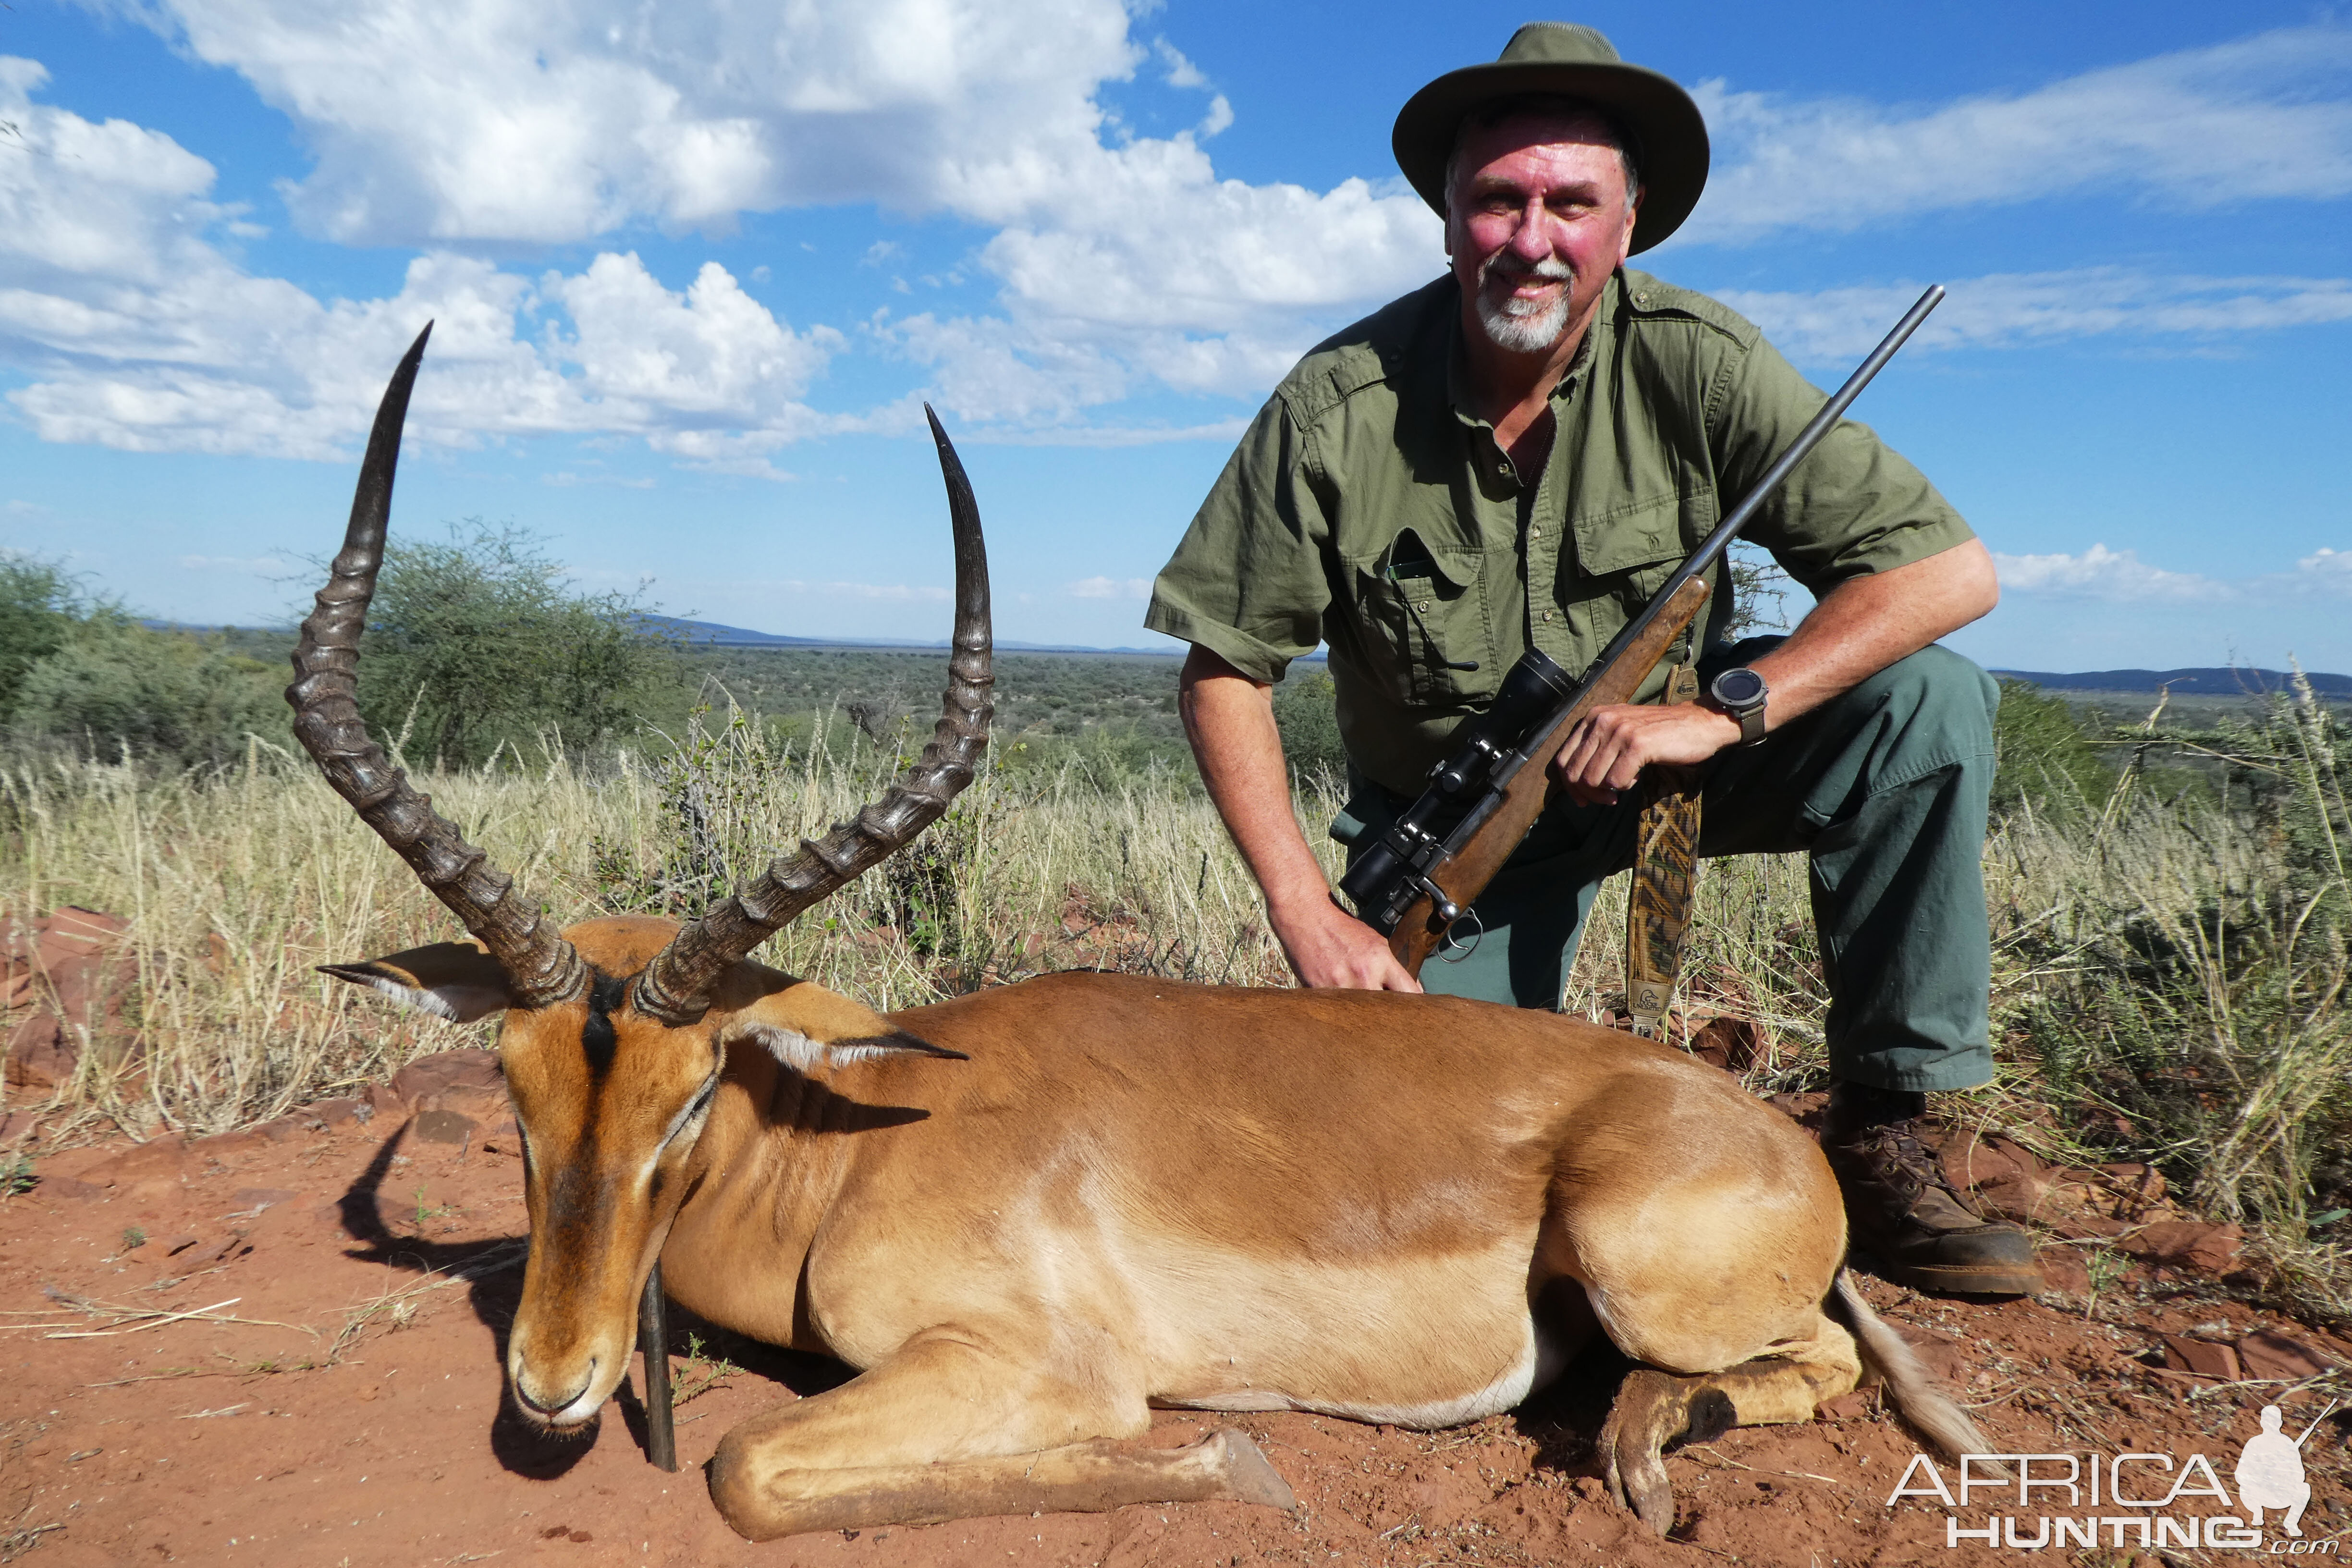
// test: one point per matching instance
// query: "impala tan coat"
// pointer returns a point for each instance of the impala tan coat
(1029, 1214)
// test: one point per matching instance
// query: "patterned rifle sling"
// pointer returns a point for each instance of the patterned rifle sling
(1666, 873)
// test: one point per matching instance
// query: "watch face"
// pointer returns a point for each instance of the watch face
(1737, 689)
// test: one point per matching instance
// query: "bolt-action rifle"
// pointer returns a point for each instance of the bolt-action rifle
(1420, 876)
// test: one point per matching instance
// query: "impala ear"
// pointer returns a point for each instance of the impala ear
(452, 980)
(802, 1025)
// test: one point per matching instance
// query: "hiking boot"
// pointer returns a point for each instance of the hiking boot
(1901, 1209)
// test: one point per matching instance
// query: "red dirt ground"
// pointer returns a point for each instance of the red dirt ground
(339, 1402)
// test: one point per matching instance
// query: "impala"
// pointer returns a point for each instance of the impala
(1028, 1215)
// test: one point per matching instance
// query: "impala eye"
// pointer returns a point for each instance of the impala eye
(692, 1113)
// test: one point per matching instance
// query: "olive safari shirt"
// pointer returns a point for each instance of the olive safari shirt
(1367, 508)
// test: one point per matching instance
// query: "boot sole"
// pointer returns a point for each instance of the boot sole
(1963, 1279)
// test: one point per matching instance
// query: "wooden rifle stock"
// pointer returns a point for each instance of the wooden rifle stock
(1465, 875)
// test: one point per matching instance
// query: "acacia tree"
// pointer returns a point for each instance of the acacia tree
(481, 641)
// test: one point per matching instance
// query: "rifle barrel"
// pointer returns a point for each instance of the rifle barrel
(1798, 450)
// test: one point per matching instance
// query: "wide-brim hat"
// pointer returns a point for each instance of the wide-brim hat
(1564, 57)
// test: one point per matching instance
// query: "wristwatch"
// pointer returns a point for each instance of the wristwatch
(1741, 693)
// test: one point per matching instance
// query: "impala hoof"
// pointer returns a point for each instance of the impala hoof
(1650, 1411)
(1249, 1477)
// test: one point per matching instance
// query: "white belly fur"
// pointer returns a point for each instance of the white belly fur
(1431, 1343)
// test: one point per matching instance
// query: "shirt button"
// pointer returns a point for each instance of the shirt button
(1534, 530)
(1546, 614)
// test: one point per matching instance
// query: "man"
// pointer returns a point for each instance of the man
(1519, 455)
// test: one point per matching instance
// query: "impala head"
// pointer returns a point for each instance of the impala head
(615, 1030)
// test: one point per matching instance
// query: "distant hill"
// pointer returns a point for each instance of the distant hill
(2222, 682)
(710, 634)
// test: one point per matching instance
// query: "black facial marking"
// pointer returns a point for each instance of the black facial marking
(599, 1039)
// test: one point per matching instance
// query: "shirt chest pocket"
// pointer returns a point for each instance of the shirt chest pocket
(1626, 554)
(1422, 617)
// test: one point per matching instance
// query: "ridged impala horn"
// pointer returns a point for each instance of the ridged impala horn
(542, 967)
(675, 987)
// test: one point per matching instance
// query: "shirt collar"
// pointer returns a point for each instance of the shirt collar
(1457, 390)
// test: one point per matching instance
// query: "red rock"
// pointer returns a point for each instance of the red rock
(1732, 1044)
(226, 1249)
(342, 1112)
(76, 929)
(180, 1244)
(2203, 1357)
(226, 1143)
(383, 1101)
(1805, 1110)
(1941, 1356)
(2208, 1248)
(19, 1127)
(2140, 1184)
(67, 1188)
(1971, 1160)
(445, 1127)
(40, 1054)
(487, 1106)
(165, 1156)
(1844, 1407)
(2063, 1269)
(2270, 1354)
(90, 990)
(430, 1075)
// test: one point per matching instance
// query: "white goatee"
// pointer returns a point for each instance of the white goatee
(1516, 325)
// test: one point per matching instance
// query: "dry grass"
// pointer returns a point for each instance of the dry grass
(238, 883)
(2168, 978)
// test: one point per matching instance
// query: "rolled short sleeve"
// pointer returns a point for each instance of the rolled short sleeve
(1855, 506)
(1247, 582)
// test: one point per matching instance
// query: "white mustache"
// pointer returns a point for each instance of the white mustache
(1504, 264)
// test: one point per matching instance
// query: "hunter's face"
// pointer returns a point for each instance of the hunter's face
(1537, 220)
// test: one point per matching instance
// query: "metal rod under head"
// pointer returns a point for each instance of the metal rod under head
(652, 1343)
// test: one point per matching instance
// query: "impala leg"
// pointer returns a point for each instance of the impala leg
(1656, 1408)
(946, 1429)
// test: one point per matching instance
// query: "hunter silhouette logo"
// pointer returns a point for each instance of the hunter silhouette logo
(2269, 1472)
(2144, 1499)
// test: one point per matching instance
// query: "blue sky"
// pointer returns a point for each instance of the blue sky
(696, 267)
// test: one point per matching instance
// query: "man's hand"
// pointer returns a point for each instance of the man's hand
(1328, 946)
(1606, 753)
(1860, 626)
(1229, 718)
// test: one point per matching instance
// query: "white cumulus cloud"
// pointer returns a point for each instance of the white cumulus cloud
(138, 332)
(1123, 264)
(2024, 309)
(2100, 573)
(2267, 116)
(1111, 588)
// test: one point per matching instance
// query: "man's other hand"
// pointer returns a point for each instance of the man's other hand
(1605, 753)
(1327, 946)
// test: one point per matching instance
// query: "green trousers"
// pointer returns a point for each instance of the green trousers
(1885, 788)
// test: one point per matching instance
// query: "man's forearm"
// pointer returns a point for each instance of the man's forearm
(1229, 718)
(1860, 627)
(1865, 624)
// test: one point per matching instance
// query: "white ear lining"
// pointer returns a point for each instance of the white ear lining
(458, 1004)
(790, 1047)
(800, 1053)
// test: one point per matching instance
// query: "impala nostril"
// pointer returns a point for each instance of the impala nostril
(559, 1402)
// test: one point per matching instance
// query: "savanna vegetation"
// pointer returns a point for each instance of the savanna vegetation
(2172, 910)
